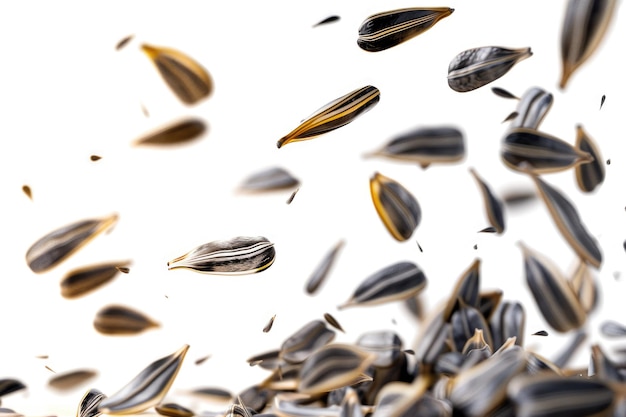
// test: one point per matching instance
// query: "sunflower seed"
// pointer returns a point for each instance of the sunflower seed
(333, 322)
(477, 341)
(610, 328)
(270, 179)
(321, 271)
(556, 300)
(602, 101)
(173, 410)
(465, 321)
(267, 360)
(88, 406)
(531, 150)
(120, 320)
(185, 77)
(50, 369)
(95, 158)
(334, 115)
(10, 385)
(508, 321)
(237, 256)
(29, 193)
(331, 367)
(532, 108)
(182, 131)
(501, 92)
(148, 388)
(575, 343)
(395, 282)
(387, 29)
(476, 67)
(71, 379)
(269, 324)
(397, 399)
(396, 206)
(305, 341)
(293, 194)
(123, 42)
(540, 333)
(425, 145)
(56, 246)
(493, 206)
(465, 289)
(568, 222)
(584, 27)
(329, 19)
(83, 280)
(589, 175)
(385, 345)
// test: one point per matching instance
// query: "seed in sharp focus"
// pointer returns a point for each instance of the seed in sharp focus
(148, 388)
(123, 42)
(475, 247)
(555, 298)
(182, 131)
(83, 280)
(297, 347)
(95, 158)
(584, 27)
(425, 145)
(569, 224)
(540, 333)
(269, 324)
(476, 67)
(237, 256)
(602, 101)
(26, 190)
(293, 194)
(531, 150)
(333, 322)
(274, 178)
(72, 379)
(185, 76)
(387, 29)
(329, 19)
(396, 206)
(610, 328)
(493, 206)
(334, 115)
(532, 108)
(88, 405)
(589, 175)
(501, 92)
(510, 117)
(120, 320)
(10, 385)
(57, 245)
(323, 268)
(395, 282)
(173, 410)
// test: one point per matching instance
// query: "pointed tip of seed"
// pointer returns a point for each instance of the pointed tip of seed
(281, 142)
(151, 51)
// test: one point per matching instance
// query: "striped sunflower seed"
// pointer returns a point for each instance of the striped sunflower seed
(81, 281)
(275, 178)
(387, 29)
(493, 205)
(396, 206)
(334, 115)
(189, 80)
(56, 246)
(536, 363)
(181, 131)
(72, 379)
(120, 320)
(213, 394)
(237, 256)
(584, 27)
(173, 410)
(532, 108)
(590, 175)
(305, 341)
(323, 269)
(476, 67)
(395, 282)
(267, 360)
(148, 388)
(88, 405)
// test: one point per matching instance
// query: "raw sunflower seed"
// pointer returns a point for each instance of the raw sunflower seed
(81, 281)
(540, 333)
(556, 300)
(72, 379)
(329, 19)
(569, 224)
(475, 342)
(466, 289)
(10, 385)
(531, 150)
(321, 271)
(536, 363)
(508, 321)
(29, 193)
(433, 341)
(610, 328)
(182, 131)
(387, 29)
(305, 341)
(148, 388)
(426, 145)
(476, 67)
(237, 256)
(493, 205)
(120, 320)
(88, 406)
(532, 108)
(269, 324)
(185, 77)
(501, 92)
(396, 206)
(270, 179)
(333, 322)
(584, 27)
(395, 282)
(173, 410)
(123, 42)
(267, 360)
(589, 175)
(56, 246)
(334, 115)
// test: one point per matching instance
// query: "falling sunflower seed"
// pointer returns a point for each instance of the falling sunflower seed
(88, 405)
(236, 256)
(334, 115)
(508, 321)
(396, 206)
(269, 324)
(329, 19)
(123, 42)
(477, 67)
(148, 388)
(173, 410)
(493, 205)
(27, 191)
(532, 108)
(466, 290)
(83, 280)
(584, 27)
(123, 269)
(610, 328)
(305, 341)
(387, 29)
(121, 320)
(72, 379)
(333, 322)
(590, 175)
(464, 321)
(293, 194)
(182, 131)
(395, 282)
(186, 77)
(57, 245)
(275, 178)
(323, 269)
(540, 333)
(10, 385)
(501, 92)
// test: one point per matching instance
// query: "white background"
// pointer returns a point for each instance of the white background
(66, 93)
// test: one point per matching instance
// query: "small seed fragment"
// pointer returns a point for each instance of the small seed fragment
(293, 194)
(274, 178)
(123, 42)
(477, 67)
(501, 92)
(72, 379)
(182, 131)
(510, 117)
(591, 174)
(465, 290)
(396, 206)
(540, 333)
(269, 324)
(323, 269)
(173, 410)
(333, 322)
(95, 158)
(202, 359)
(387, 29)
(236, 256)
(29, 193)
(334, 115)
(329, 19)
(602, 101)
(493, 206)
(83, 280)
(121, 320)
